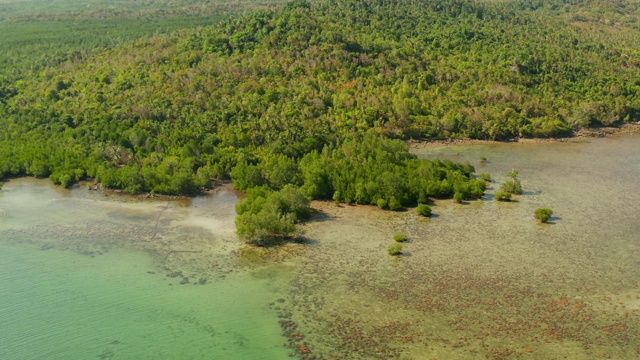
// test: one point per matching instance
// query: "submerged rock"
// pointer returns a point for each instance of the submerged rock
(174, 274)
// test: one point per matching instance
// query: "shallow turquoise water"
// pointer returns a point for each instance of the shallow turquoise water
(61, 303)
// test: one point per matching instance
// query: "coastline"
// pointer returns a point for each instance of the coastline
(578, 135)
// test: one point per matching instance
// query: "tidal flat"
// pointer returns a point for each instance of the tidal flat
(87, 274)
(483, 279)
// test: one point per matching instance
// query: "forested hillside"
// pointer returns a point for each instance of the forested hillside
(40, 33)
(170, 113)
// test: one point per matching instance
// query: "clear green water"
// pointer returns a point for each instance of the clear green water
(75, 292)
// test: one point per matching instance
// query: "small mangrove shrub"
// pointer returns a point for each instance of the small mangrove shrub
(485, 176)
(424, 210)
(503, 196)
(512, 186)
(458, 197)
(395, 249)
(543, 214)
(400, 237)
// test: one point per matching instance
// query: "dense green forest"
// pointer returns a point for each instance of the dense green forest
(282, 96)
(38, 33)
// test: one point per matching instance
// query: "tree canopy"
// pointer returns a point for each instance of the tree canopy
(286, 96)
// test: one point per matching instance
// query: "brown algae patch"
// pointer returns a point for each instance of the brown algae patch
(353, 301)
(259, 256)
(483, 279)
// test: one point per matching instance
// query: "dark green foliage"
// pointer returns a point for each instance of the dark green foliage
(395, 249)
(382, 172)
(543, 214)
(246, 176)
(266, 216)
(424, 210)
(400, 237)
(280, 96)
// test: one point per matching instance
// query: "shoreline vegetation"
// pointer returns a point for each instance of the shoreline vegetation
(578, 135)
(321, 96)
(582, 134)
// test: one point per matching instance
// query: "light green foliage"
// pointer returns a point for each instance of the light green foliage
(424, 210)
(337, 197)
(512, 186)
(400, 237)
(503, 196)
(382, 203)
(395, 249)
(543, 214)
(485, 176)
(395, 204)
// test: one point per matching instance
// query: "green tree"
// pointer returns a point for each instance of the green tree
(266, 217)
(513, 185)
(395, 249)
(503, 196)
(424, 210)
(543, 214)
(400, 237)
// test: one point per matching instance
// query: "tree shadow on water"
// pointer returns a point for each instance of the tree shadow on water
(553, 220)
